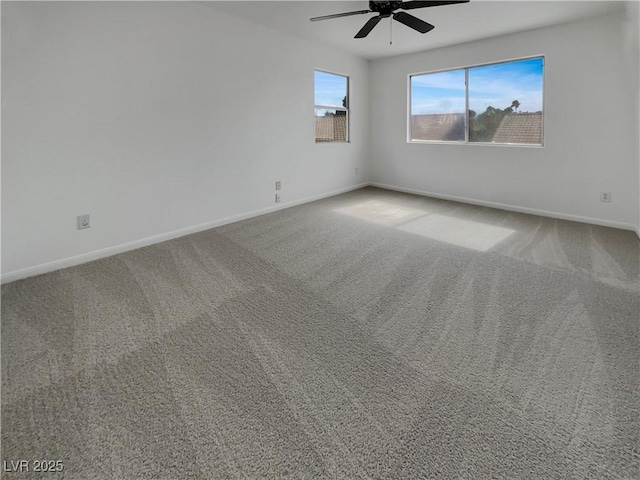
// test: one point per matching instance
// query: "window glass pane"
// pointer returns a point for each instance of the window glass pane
(331, 125)
(505, 102)
(438, 106)
(330, 89)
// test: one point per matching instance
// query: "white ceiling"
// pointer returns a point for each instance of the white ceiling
(454, 23)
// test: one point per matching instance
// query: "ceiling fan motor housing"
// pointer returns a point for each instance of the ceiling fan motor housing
(385, 8)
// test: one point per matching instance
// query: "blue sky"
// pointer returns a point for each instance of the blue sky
(330, 89)
(491, 85)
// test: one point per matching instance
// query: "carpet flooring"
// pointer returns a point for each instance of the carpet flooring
(373, 334)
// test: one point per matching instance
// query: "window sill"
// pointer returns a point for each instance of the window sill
(480, 144)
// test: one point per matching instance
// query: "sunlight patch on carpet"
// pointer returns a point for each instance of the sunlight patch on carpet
(455, 231)
(381, 212)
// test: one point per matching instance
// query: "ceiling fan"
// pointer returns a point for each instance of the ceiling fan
(386, 8)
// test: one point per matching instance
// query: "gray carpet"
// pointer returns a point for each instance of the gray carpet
(369, 335)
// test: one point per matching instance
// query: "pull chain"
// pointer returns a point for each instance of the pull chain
(390, 30)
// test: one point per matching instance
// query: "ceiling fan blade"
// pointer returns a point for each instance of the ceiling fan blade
(423, 4)
(338, 15)
(413, 22)
(364, 31)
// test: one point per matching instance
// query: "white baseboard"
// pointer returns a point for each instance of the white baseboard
(513, 208)
(125, 247)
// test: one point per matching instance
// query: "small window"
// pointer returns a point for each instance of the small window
(331, 107)
(499, 103)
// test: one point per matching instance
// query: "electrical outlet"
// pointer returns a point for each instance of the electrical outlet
(84, 221)
(278, 185)
(605, 196)
(277, 198)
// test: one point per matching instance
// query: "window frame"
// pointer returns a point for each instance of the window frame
(466, 69)
(341, 108)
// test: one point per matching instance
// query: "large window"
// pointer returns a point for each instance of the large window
(499, 103)
(332, 107)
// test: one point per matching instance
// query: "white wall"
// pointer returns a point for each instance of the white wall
(632, 53)
(156, 118)
(591, 128)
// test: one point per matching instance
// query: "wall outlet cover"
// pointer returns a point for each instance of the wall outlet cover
(84, 221)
